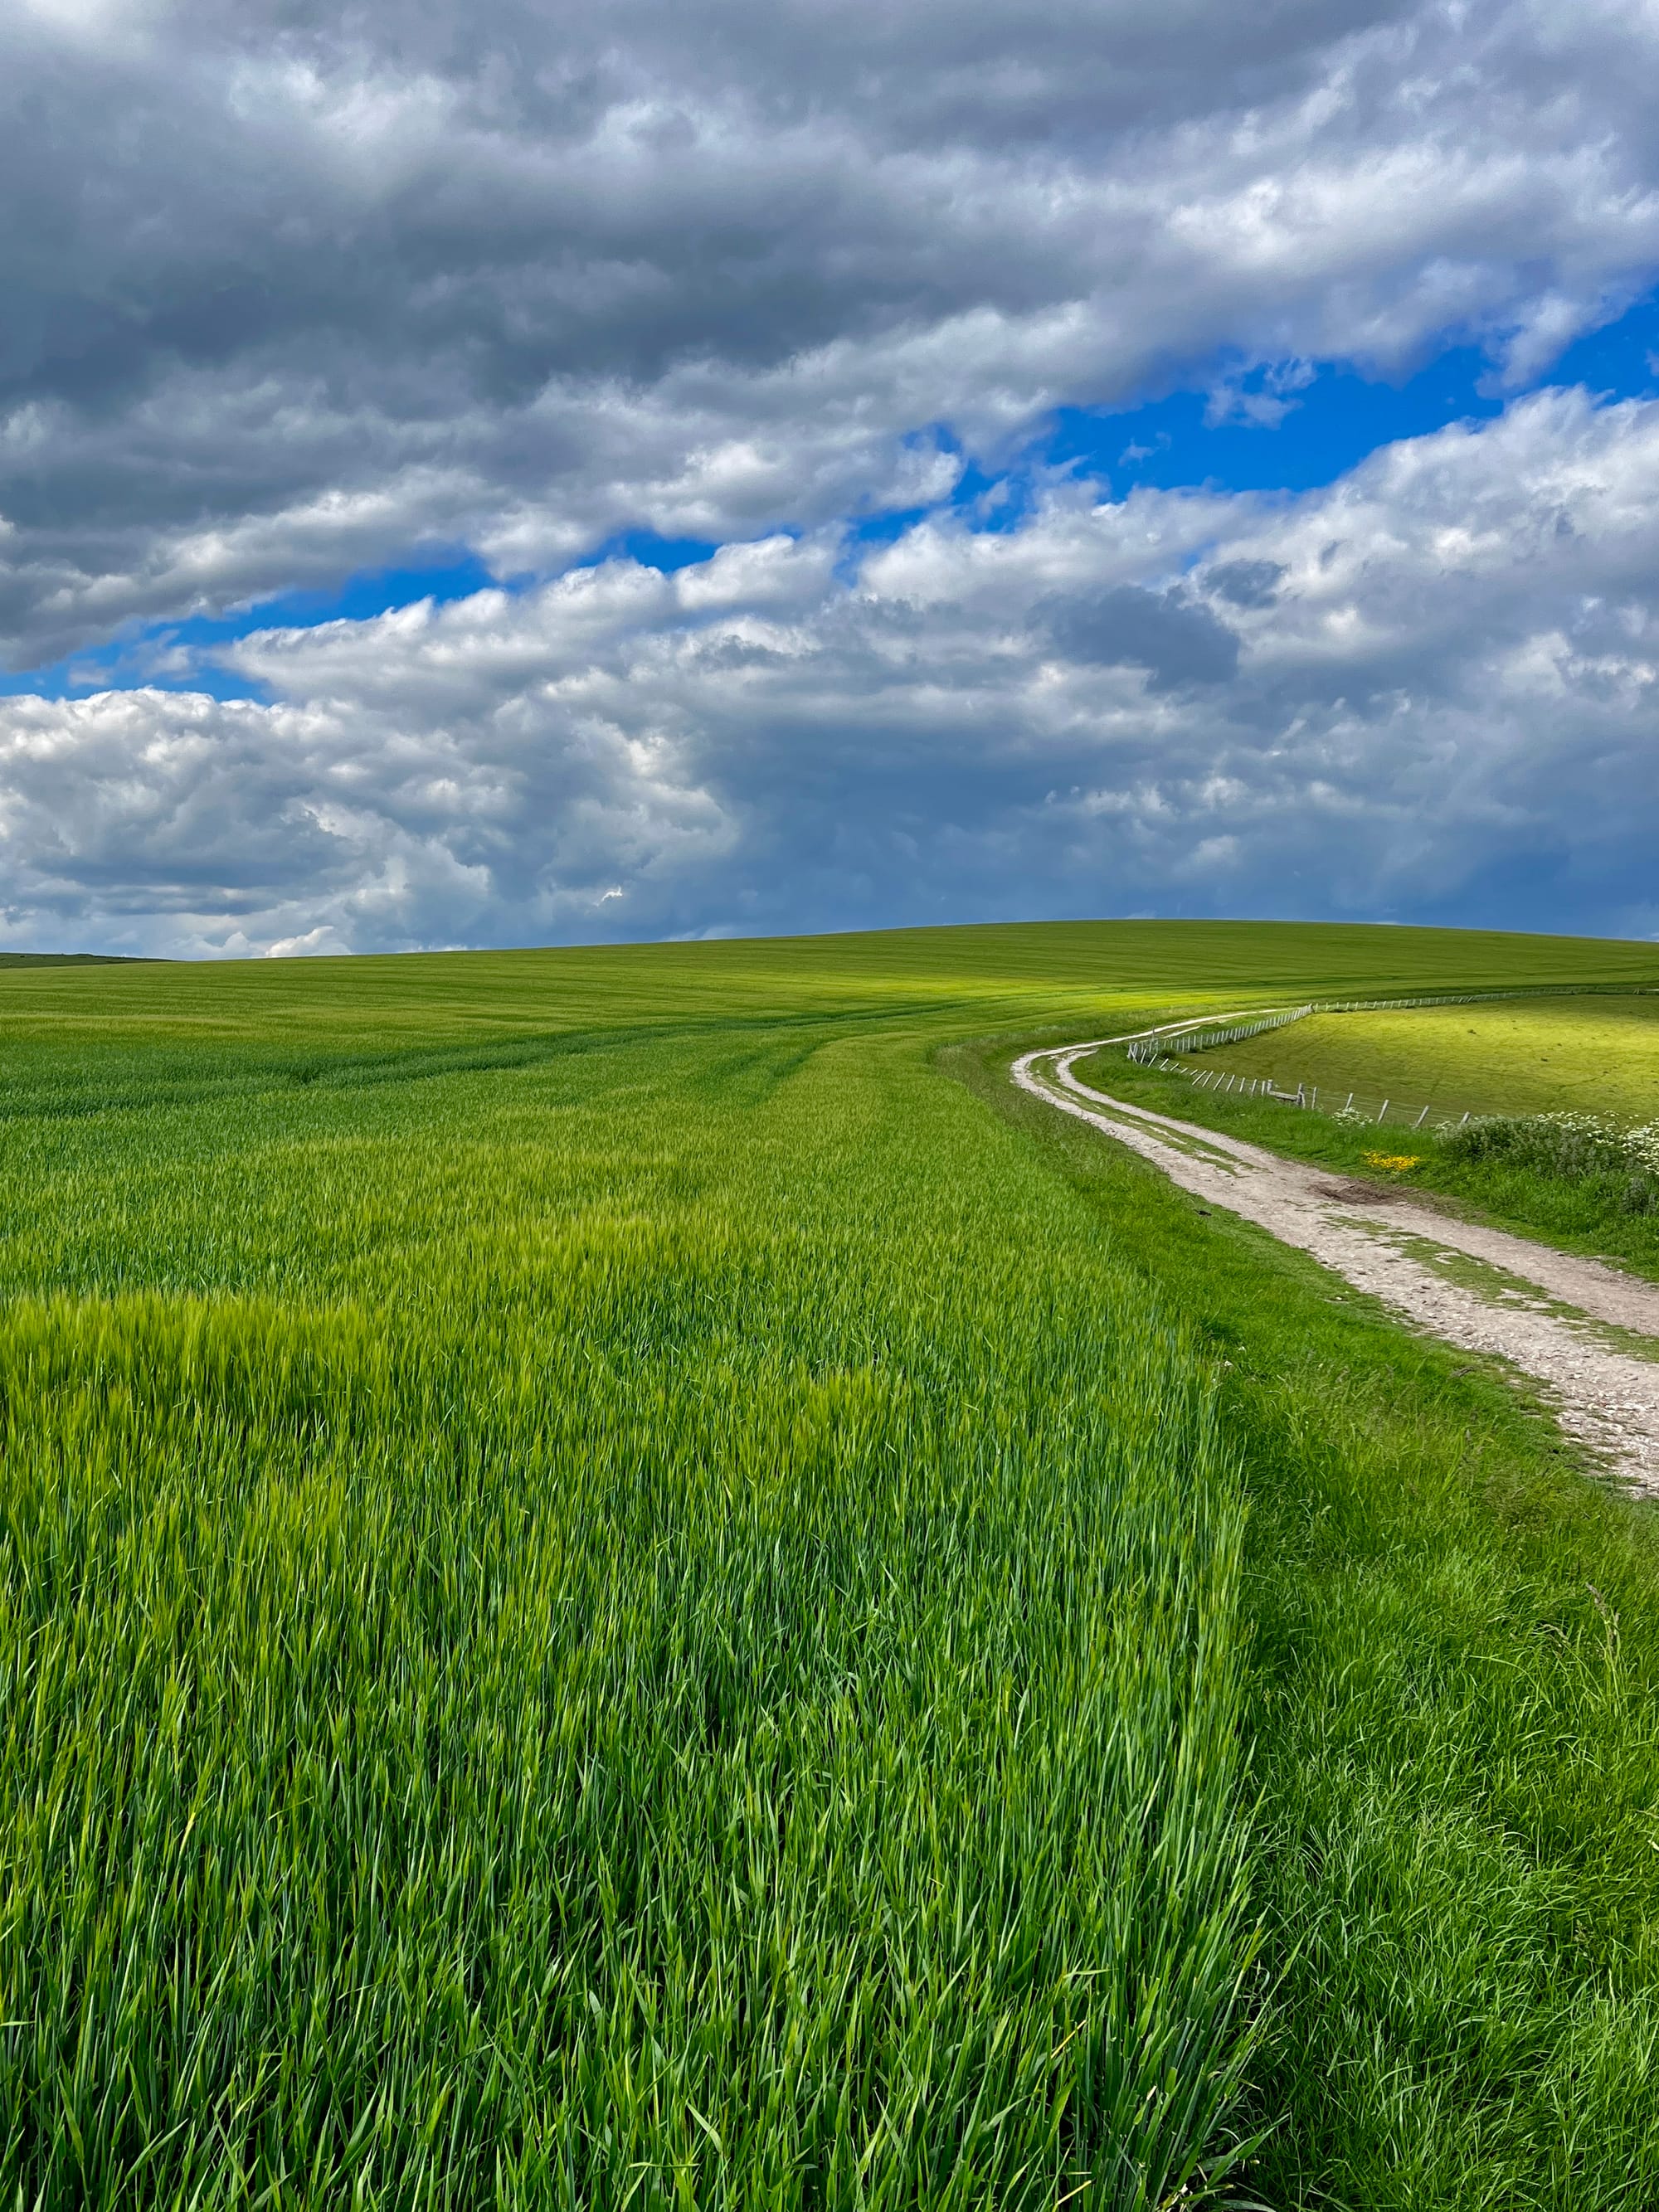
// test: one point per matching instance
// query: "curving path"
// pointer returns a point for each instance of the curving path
(1567, 1321)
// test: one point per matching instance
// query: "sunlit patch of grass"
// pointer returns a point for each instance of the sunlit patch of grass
(1595, 1053)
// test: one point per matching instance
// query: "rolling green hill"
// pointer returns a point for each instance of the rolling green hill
(623, 1582)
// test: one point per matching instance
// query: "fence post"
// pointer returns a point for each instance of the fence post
(1421, 1119)
(1385, 1108)
(1348, 1109)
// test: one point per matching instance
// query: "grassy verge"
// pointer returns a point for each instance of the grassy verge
(1581, 1215)
(1455, 1658)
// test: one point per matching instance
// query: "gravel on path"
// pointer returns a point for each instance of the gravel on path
(1551, 1314)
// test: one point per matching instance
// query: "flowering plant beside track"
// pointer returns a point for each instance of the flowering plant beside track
(1574, 1145)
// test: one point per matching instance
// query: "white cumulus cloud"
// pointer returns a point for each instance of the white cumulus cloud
(1427, 691)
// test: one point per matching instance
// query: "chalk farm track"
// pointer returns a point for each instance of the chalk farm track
(1587, 1332)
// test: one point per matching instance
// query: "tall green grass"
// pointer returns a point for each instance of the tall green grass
(590, 1634)
(1455, 1645)
(610, 1596)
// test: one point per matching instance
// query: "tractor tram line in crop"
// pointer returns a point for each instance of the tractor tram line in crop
(1413, 1258)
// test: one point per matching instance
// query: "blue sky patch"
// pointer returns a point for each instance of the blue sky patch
(176, 656)
(1256, 428)
(1240, 427)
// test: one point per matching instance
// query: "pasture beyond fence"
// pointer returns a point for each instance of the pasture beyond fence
(1160, 1053)
(1336, 1101)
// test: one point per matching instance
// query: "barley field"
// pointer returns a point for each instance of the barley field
(618, 1586)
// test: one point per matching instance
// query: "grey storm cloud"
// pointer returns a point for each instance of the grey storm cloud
(294, 290)
(1176, 640)
(1247, 583)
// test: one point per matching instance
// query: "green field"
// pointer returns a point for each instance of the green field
(624, 1581)
(1596, 1054)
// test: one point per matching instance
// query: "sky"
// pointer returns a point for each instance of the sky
(530, 474)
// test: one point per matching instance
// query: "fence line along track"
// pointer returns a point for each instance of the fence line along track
(1225, 1083)
(1157, 1052)
(1201, 1039)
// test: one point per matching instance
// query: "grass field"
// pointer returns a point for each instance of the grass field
(1596, 1055)
(618, 1585)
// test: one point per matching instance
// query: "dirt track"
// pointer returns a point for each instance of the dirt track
(1561, 1319)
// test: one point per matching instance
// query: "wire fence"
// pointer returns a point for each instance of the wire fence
(1159, 1053)
(1481, 998)
(1200, 1040)
(1401, 1112)
(1148, 1050)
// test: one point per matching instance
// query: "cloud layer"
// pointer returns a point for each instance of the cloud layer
(291, 290)
(1429, 691)
(294, 292)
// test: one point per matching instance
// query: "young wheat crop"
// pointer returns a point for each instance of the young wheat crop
(586, 1632)
(610, 1596)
